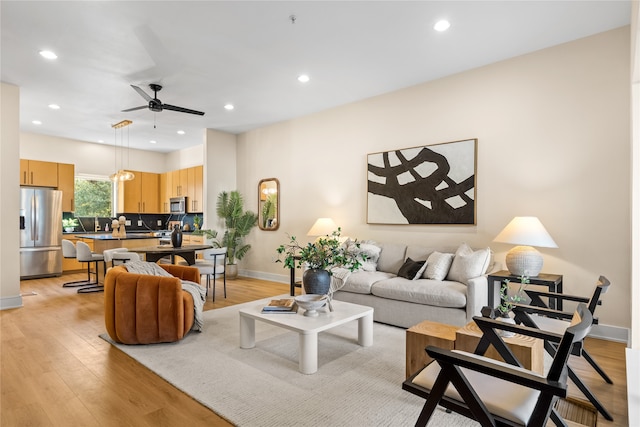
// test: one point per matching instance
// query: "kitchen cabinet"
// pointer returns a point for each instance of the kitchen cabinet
(38, 173)
(66, 183)
(180, 183)
(140, 195)
(194, 193)
(165, 191)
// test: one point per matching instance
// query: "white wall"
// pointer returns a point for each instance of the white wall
(553, 130)
(10, 195)
(89, 158)
(220, 172)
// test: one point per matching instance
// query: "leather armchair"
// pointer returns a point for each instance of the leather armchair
(145, 309)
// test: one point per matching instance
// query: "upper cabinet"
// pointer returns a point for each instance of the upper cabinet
(66, 183)
(38, 173)
(194, 192)
(165, 191)
(140, 195)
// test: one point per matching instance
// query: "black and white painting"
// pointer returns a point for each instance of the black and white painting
(433, 184)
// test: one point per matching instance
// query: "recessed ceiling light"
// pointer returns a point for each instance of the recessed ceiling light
(442, 25)
(181, 132)
(36, 122)
(152, 141)
(48, 54)
(229, 107)
(54, 106)
(303, 78)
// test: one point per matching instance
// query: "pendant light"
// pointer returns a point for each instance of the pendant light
(121, 174)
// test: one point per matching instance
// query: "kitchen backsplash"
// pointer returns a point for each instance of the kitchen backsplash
(139, 222)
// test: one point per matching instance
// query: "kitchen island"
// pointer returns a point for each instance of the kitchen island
(104, 241)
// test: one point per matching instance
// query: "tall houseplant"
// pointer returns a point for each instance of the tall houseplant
(238, 224)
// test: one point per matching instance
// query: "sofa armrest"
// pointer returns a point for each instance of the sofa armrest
(477, 295)
(183, 272)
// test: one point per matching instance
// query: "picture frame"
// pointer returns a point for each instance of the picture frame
(430, 184)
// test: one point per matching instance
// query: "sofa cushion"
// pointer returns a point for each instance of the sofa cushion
(422, 291)
(438, 265)
(360, 282)
(468, 263)
(410, 269)
(392, 257)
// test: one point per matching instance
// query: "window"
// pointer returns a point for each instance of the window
(94, 196)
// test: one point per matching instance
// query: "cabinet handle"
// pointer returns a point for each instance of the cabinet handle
(138, 206)
(144, 207)
(24, 179)
(31, 177)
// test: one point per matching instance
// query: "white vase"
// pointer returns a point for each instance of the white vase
(506, 319)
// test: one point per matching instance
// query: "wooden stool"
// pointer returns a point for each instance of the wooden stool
(529, 351)
(424, 334)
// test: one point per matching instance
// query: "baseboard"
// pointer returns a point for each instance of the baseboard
(610, 333)
(605, 332)
(10, 302)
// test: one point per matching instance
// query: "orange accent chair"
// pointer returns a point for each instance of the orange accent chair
(145, 309)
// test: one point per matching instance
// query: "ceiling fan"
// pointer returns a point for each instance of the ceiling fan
(156, 105)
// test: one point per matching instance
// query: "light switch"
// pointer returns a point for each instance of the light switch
(139, 223)
(159, 222)
(127, 222)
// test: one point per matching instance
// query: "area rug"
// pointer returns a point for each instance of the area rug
(354, 386)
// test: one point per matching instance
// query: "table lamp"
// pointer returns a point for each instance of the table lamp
(526, 232)
(322, 227)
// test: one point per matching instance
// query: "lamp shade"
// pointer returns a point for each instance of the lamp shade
(322, 227)
(526, 232)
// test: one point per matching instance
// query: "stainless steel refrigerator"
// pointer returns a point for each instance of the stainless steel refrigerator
(40, 232)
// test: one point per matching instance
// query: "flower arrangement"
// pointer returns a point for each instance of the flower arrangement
(326, 252)
(507, 302)
(69, 223)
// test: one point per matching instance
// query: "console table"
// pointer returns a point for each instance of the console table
(551, 281)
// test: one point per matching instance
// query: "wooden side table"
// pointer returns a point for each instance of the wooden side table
(424, 334)
(529, 351)
(551, 281)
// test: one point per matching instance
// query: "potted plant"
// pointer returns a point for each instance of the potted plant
(69, 224)
(320, 256)
(507, 302)
(197, 222)
(238, 224)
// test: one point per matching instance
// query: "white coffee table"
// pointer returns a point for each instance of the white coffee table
(307, 327)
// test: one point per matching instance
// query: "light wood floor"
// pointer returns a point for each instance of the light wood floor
(56, 371)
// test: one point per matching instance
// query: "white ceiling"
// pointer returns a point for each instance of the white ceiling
(209, 53)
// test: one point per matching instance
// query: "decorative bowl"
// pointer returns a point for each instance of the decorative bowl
(311, 303)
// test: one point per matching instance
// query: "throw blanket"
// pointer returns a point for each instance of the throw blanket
(196, 291)
(339, 277)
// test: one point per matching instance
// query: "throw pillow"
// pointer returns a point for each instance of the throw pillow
(410, 269)
(373, 253)
(438, 265)
(468, 263)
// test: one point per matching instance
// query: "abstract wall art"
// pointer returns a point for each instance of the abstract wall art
(432, 184)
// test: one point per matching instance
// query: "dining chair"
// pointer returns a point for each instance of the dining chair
(537, 314)
(496, 393)
(212, 264)
(117, 256)
(85, 254)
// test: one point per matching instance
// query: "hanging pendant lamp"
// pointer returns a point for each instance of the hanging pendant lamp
(121, 174)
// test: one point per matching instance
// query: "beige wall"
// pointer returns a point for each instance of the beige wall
(553, 130)
(10, 196)
(89, 158)
(220, 172)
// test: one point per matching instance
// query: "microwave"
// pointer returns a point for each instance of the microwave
(178, 205)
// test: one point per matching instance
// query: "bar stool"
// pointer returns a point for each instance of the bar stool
(69, 251)
(119, 256)
(84, 254)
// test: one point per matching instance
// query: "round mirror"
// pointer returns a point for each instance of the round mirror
(269, 204)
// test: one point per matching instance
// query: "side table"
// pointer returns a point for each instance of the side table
(529, 351)
(551, 281)
(423, 334)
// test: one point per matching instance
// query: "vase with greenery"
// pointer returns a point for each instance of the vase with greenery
(69, 224)
(319, 257)
(238, 224)
(197, 222)
(507, 302)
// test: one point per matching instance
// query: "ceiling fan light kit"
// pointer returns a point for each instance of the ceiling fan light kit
(155, 105)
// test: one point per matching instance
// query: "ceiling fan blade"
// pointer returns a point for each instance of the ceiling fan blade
(142, 93)
(135, 108)
(181, 110)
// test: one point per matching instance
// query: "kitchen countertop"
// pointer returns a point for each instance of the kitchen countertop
(105, 236)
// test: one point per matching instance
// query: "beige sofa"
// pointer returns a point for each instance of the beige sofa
(455, 292)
